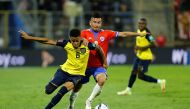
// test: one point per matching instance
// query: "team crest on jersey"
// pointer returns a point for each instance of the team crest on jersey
(83, 50)
(102, 38)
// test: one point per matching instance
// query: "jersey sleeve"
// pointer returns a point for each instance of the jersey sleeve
(62, 43)
(91, 46)
(149, 36)
(148, 31)
(83, 34)
(112, 34)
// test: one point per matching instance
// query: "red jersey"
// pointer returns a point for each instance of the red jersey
(101, 38)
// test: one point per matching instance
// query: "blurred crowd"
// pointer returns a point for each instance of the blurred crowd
(54, 18)
(182, 17)
(107, 7)
(66, 14)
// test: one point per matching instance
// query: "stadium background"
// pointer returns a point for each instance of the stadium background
(168, 20)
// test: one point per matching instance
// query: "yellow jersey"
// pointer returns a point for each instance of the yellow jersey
(77, 59)
(143, 41)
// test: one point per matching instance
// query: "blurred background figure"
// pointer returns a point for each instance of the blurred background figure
(182, 13)
(54, 18)
(73, 10)
(47, 58)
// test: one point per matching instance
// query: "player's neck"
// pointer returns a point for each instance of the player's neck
(96, 31)
(142, 29)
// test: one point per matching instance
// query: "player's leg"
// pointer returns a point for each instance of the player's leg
(100, 76)
(132, 79)
(76, 90)
(67, 86)
(144, 64)
(55, 82)
(73, 96)
(71, 82)
(101, 79)
(143, 76)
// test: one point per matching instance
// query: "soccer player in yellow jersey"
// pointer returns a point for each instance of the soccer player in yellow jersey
(143, 59)
(73, 70)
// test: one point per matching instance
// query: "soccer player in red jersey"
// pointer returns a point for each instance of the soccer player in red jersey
(95, 67)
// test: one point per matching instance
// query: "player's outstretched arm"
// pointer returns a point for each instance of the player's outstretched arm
(85, 41)
(102, 55)
(145, 47)
(128, 33)
(25, 36)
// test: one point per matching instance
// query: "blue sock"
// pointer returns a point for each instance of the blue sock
(57, 97)
(149, 78)
(132, 80)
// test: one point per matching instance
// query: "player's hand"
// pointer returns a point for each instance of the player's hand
(24, 34)
(105, 65)
(85, 42)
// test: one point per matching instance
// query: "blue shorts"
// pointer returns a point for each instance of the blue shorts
(141, 65)
(92, 71)
(60, 77)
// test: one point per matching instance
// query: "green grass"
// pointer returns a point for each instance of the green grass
(23, 88)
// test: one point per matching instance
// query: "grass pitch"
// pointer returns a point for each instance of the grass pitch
(23, 88)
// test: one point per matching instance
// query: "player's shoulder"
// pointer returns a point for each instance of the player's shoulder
(107, 31)
(62, 42)
(147, 30)
(85, 30)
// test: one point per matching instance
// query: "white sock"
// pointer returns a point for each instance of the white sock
(97, 89)
(128, 88)
(159, 81)
(73, 98)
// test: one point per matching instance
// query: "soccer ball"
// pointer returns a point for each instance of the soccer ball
(102, 106)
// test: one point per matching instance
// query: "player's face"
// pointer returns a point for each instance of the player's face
(76, 41)
(96, 23)
(142, 25)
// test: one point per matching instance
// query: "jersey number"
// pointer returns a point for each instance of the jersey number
(77, 54)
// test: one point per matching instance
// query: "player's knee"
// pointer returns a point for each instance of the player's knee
(63, 91)
(144, 71)
(101, 81)
(50, 88)
(77, 88)
(135, 72)
(48, 91)
(140, 75)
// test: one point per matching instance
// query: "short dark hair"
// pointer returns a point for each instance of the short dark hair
(96, 15)
(143, 19)
(74, 33)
